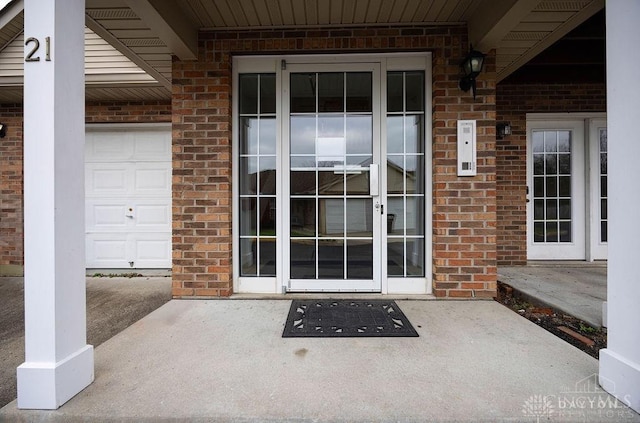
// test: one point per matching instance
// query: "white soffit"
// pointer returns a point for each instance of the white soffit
(143, 30)
(547, 23)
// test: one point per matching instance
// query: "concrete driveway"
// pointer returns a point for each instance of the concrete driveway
(112, 305)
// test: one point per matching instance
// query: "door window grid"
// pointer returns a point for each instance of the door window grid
(331, 122)
(552, 206)
(257, 135)
(602, 132)
(405, 174)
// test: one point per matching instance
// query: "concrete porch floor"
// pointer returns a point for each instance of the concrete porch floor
(577, 288)
(225, 361)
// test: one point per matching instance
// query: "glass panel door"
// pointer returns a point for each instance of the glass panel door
(334, 224)
(556, 191)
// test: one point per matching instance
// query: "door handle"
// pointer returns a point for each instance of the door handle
(373, 180)
(379, 207)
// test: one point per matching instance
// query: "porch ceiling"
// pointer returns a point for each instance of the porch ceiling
(148, 32)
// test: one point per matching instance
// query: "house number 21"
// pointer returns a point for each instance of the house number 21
(36, 45)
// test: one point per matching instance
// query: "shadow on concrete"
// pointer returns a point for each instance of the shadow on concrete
(113, 304)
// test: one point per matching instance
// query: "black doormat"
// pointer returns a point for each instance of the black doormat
(346, 318)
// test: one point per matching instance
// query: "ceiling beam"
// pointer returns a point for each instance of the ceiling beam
(166, 19)
(491, 23)
(581, 16)
(126, 51)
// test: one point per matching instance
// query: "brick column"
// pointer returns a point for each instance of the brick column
(202, 175)
(464, 208)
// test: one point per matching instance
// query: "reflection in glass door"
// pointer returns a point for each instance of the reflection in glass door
(334, 230)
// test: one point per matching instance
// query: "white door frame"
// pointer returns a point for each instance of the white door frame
(277, 65)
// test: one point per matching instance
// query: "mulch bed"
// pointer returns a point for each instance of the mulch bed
(574, 331)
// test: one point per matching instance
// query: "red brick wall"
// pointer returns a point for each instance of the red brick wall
(513, 103)
(11, 209)
(129, 112)
(464, 209)
(11, 228)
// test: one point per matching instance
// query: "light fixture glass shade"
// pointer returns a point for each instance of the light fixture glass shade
(476, 63)
(472, 64)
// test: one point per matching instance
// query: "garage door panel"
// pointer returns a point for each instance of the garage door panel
(152, 250)
(105, 215)
(151, 145)
(152, 216)
(109, 146)
(152, 179)
(107, 179)
(107, 250)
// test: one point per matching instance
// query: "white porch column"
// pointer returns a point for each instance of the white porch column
(620, 361)
(58, 362)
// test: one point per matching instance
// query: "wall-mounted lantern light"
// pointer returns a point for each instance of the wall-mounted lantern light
(3, 130)
(502, 130)
(471, 68)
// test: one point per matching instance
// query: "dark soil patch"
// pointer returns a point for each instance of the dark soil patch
(574, 331)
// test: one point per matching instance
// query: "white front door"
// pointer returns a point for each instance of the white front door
(332, 160)
(556, 183)
(128, 197)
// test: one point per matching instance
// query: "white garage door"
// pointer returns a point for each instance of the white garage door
(128, 197)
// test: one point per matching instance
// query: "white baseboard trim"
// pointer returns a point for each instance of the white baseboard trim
(46, 386)
(620, 378)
